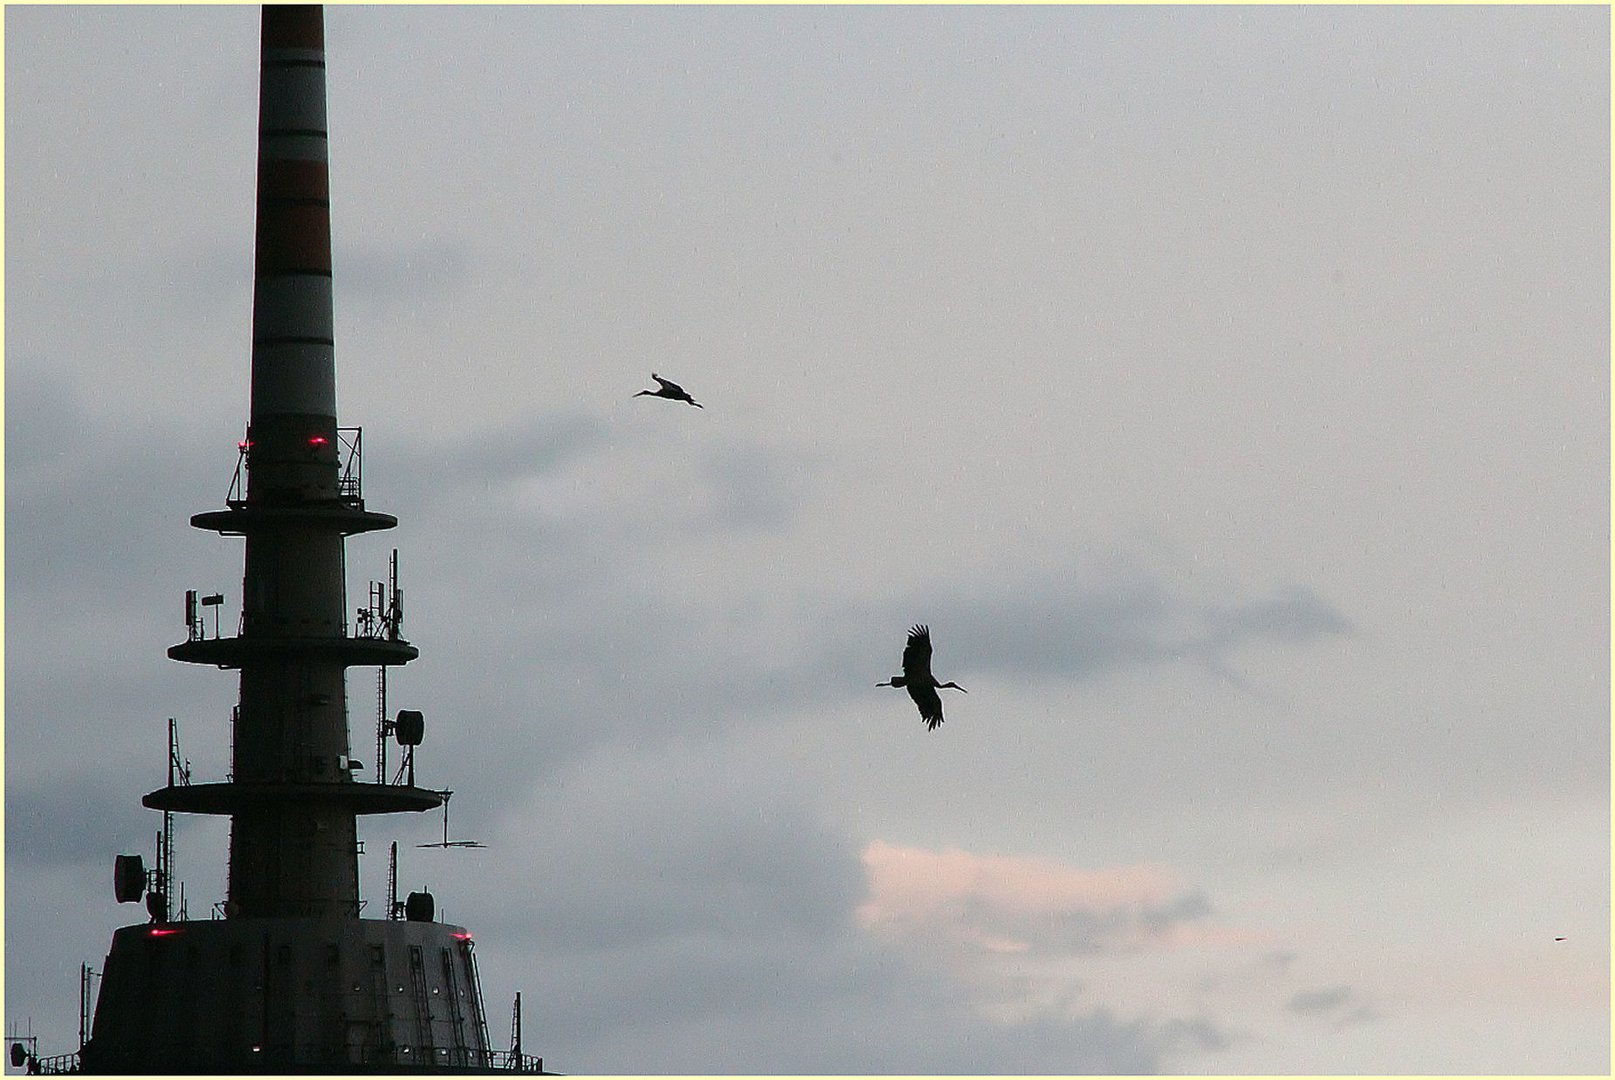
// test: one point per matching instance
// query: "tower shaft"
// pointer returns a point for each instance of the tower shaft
(292, 800)
(293, 858)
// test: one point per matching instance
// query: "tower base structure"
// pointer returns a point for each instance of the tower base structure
(293, 995)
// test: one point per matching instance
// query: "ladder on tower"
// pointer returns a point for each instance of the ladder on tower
(381, 724)
(423, 1009)
(478, 1017)
(382, 1047)
(451, 980)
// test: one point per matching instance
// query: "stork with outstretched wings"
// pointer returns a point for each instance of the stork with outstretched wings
(670, 390)
(918, 680)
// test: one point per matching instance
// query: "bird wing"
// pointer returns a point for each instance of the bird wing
(930, 704)
(666, 384)
(917, 656)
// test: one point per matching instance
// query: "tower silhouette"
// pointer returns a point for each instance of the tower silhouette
(287, 976)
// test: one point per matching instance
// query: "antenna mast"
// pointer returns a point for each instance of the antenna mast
(293, 978)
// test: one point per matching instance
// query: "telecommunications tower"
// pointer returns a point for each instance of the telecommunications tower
(285, 975)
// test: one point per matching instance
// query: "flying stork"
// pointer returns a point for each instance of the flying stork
(917, 678)
(670, 390)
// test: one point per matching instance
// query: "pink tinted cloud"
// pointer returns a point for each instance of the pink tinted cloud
(905, 882)
(1013, 903)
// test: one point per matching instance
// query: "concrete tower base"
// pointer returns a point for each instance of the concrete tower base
(291, 995)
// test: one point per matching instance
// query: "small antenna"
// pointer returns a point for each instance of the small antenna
(395, 910)
(179, 770)
(395, 605)
(446, 842)
(516, 1032)
(86, 996)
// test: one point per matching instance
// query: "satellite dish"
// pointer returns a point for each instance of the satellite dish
(410, 727)
(419, 907)
(128, 878)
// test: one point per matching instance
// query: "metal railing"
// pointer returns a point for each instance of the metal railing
(54, 1066)
(350, 468)
(350, 458)
(401, 1058)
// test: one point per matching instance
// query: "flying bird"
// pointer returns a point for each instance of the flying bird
(670, 390)
(917, 678)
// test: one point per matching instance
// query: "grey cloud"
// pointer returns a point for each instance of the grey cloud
(596, 645)
(55, 825)
(1185, 907)
(694, 898)
(99, 555)
(535, 446)
(87, 525)
(910, 1022)
(754, 487)
(1362, 1014)
(1315, 1001)
(1198, 1032)
(83, 550)
(1084, 932)
(744, 486)
(1292, 614)
(1279, 960)
(1061, 626)
(593, 640)
(1339, 1004)
(402, 273)
(589, 616)
(672, 847)
(37, 430)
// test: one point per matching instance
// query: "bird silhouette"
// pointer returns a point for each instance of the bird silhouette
(670, 390)
(918, 680)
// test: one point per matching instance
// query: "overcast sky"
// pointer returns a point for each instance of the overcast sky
(1227, 388)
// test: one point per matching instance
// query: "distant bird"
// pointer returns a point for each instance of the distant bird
(670, 390)
(1558, 939)
(921, 684)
